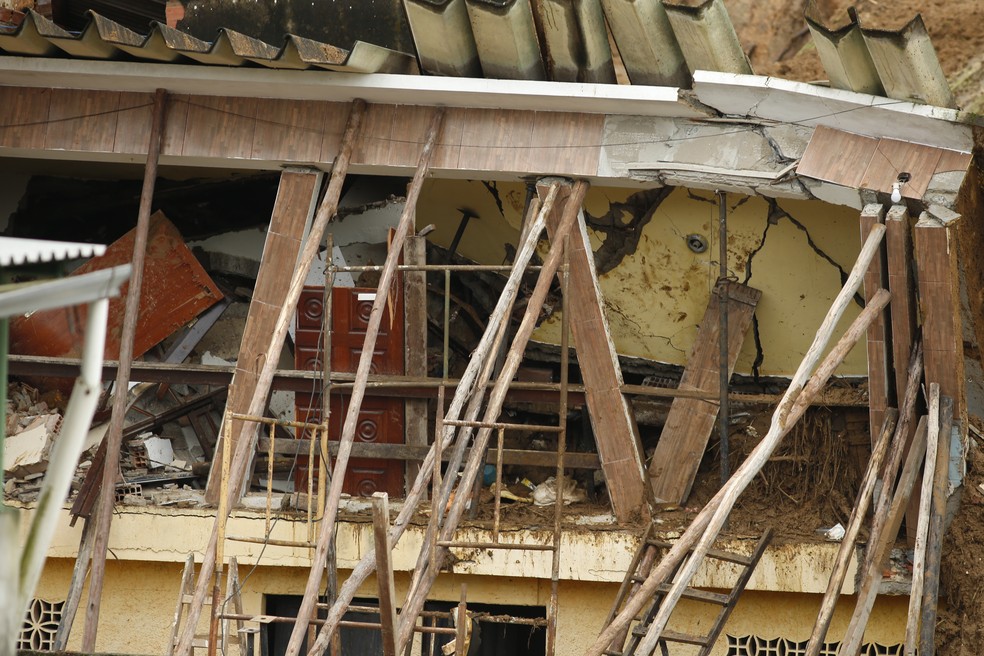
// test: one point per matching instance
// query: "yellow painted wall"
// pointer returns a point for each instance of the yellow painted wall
(656, 297)
(139, 603)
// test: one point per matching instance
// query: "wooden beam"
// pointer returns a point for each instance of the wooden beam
(612, 419)
(847, 549)
(691, 421)
(922, 534)
(351, 423)
(898, 242)
(244, 449)
(386, 589)
(292, 212)
(415, 343)
(934, 555)
(879, 357)
(880, 542)
(939, 308)
(700, 535)
(114, 435)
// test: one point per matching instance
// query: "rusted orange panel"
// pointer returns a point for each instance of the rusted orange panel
(175, 290)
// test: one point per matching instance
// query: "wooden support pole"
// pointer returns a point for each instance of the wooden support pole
(384, 571)
(114, 435)
(244, 449)
(613, 420)
(415, 340)
(79, 574)
(572, 215)
(880, 542)
(794, 403)
(934, 243)
(879, 357)
(931, 590)
(351, 423)
(296, 201)
(472, 377)
(922, 532)
(846, 551)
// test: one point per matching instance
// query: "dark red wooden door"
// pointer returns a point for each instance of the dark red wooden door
(381, 419)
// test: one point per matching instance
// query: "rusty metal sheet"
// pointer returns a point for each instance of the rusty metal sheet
(175, 290)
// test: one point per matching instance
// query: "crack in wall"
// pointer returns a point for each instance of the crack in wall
(493, 189)
(622, 236)
(774, 215)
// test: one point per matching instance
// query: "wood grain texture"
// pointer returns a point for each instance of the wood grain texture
(612, 419)
(496, 140)
(691, 421)
(879, 359)
(283, 243)
(83, 121)
(289, 130)
(939, 303)
(133, 123)
(24, 117)
(415, 345)
(836, 156)
(219, 127)
(566, 143)
(893, 157)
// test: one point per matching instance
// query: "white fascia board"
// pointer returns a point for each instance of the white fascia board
(73, 290)
(345, 87)
(808, 104)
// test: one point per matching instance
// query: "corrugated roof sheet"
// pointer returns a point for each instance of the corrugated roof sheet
(15, 251)
(900, 64)
(103, 38)
(660, 43)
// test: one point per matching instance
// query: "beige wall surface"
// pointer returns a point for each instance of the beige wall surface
(140, 598)
(794, 251)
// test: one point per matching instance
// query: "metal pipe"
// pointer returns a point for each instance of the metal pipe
(723, 337)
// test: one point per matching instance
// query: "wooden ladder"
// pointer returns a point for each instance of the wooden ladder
(185, 596)
(642, 564)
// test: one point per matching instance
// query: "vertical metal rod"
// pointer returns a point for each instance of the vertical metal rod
(269, 486)
(436, 512)
(310, 487)
(114, 435)
(565, 325)
(723, 419)
(447, 319)
(498, 484)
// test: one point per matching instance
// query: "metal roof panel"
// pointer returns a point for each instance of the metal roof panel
(707, 37)
(505, 36)
(443, 36)
(844, 55)
(646, 42)
(16, 251)
(575, 41)
(907, 64)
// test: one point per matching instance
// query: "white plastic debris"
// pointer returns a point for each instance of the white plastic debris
(835, 533)
(545, 493)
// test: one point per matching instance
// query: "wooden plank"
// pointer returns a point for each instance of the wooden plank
(385, 587)
(893, 157)
(291, 212)
(82, 120)
(133, 119)
(573, 460)
(837, 156)
(879, 359)
(496, 140)
(219, 127)
(289, 130)
(898, 243)
(415, 347)
(25, 117)
(939, 308)
(568, 141)
(612, 419)
(934, 553)
(922, 534)
(690, 422)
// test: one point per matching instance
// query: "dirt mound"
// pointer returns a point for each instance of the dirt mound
(960, 627)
